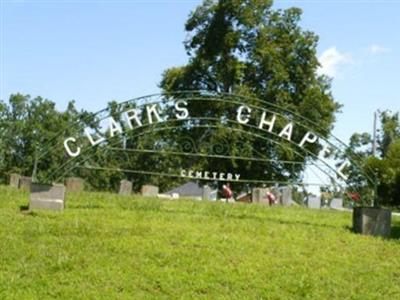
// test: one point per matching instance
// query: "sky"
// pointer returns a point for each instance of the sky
(97, 51)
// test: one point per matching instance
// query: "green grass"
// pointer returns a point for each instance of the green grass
(108, 247)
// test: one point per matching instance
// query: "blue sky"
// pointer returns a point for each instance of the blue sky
(98, 51)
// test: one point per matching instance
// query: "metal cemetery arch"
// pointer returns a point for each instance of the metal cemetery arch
(253, 119)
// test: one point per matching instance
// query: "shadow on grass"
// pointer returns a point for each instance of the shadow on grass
(24, 208)
(394, 232)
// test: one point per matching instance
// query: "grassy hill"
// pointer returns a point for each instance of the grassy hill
(108, 247)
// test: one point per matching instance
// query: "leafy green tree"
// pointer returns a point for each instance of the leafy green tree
(246, 48)
(385, 167)
(31, 139)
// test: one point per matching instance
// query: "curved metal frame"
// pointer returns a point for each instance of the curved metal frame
(233, 99)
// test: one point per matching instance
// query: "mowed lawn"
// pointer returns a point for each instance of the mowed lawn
(108, 247)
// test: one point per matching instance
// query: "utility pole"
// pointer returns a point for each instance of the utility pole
(374, 146)
(374, 137)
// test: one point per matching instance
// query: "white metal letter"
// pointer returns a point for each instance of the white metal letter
(309, 137)
(132, 114)
(91, 140)
(239, 117)
(270, 123)
(287, 131)
(66, 146)
(183, 110)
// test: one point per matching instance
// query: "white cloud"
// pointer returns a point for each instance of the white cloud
(332, 60)
(377, 49)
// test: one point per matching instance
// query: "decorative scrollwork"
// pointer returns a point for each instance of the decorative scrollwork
(187, 145)
(220, 147)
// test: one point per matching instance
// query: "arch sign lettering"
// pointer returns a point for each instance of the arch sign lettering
(211, 137)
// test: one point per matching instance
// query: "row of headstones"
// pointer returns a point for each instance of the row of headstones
(45, 196)
(259, 195)
(52, 196)
(73, 184)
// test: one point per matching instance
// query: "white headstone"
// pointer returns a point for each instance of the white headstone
(45, 196)
(336, 203)
(314, 202)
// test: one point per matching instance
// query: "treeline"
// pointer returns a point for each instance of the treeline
(27, 127)
(31, 144)
(33, 132)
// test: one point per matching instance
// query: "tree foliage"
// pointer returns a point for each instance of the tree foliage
(386, 165)
(247, 48)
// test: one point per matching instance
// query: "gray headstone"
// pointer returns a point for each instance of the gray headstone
(74, 184)
(314, 202)
(259, 195)
(286, 198)
(14, 180)
(44, 196)
(125, 188)
(25, 183)
(372, 221)
(336, 203)
(149, 190)
(206, 193)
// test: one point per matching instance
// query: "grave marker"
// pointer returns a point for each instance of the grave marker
(372, 221)
(206, 193)
(44, 196)
(14, 180)
(74, 184)
(149, 190)
(25, 183)
(125, 188)
(314, 202)
(259, 195)
(336, 203)
(286, 198)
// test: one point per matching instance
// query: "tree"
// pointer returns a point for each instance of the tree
(246, 48)
(386, 166)
(31, 143)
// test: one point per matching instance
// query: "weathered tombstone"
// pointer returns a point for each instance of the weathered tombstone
(372, 221)
(336, 203)
(206, 193)
(74, 184)
(125, 188)
(259, 195)
(149, 190)
(25, 183)
(314, 202)
(286, 198)
(44, 196)
(14, 180)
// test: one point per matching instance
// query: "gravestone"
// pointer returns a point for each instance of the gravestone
(286, 198)
(372, 221)
(44, 196)
(125, 188)
(259, 195)
(206, 193)
(149, 190)
(314, 202)
(336, 203)
(74, 184)
(25, 183)
(14, 180)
